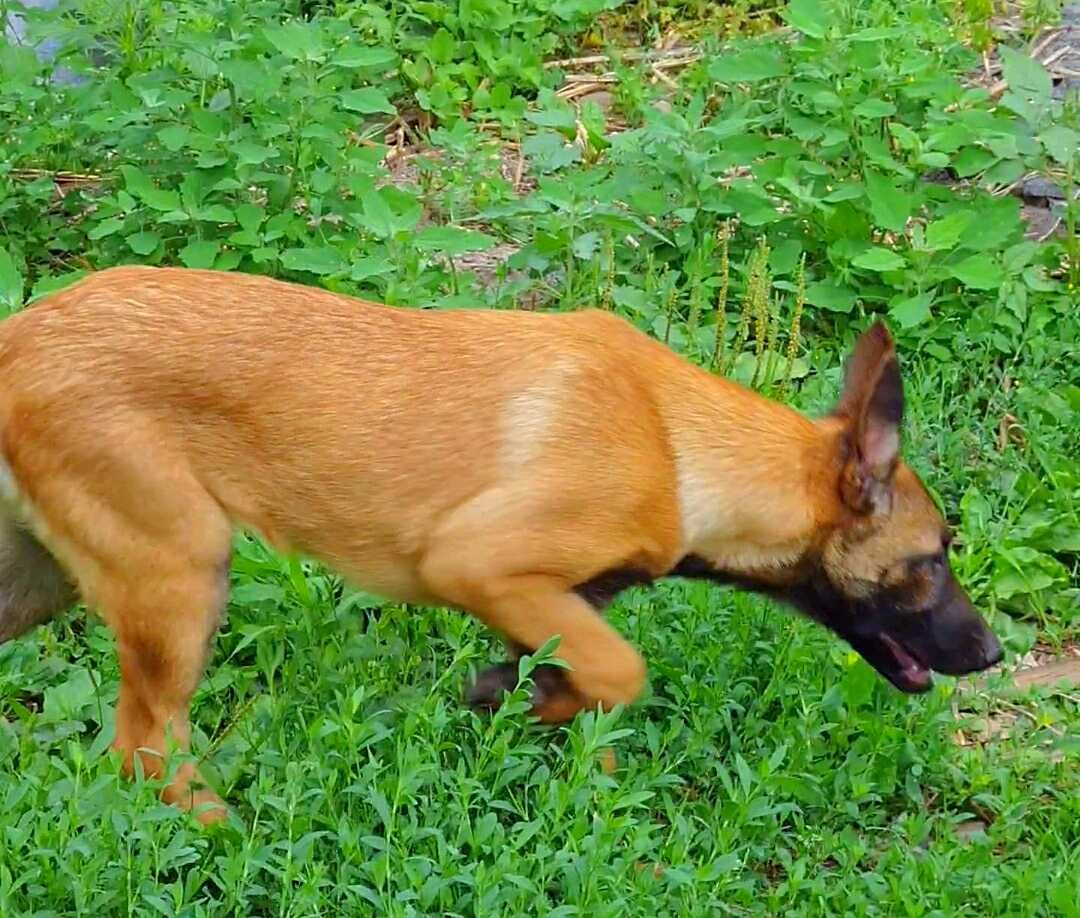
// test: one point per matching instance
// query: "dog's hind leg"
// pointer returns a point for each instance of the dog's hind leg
(148, 547)
(163, 626)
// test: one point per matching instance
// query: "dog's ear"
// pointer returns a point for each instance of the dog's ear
(872, 405)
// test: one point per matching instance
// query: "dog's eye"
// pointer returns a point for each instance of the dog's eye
(927, 565)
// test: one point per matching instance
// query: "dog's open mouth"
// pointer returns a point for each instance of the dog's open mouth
(904, 671)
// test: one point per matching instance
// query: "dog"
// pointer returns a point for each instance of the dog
(521, 467)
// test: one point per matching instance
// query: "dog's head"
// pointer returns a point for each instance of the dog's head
(881, 578)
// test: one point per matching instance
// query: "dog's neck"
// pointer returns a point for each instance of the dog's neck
(756, 479)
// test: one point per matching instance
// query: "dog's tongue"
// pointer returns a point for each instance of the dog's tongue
(911, 671)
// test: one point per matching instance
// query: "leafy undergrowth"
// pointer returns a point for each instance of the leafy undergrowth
(803, 180)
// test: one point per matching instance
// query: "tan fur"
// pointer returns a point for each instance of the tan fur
(488, 461)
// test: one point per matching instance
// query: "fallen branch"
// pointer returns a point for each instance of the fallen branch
(630, 54)
(71, 178)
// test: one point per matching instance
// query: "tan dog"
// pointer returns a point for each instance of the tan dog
(522, 467)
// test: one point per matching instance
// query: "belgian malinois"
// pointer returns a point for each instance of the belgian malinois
(518, 466)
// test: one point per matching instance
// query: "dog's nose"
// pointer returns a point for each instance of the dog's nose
(992, 649)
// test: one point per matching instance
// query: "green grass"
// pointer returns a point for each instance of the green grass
(768, 770)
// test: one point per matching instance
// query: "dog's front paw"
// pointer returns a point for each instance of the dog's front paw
(486, 693)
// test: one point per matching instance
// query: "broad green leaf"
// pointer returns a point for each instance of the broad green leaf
(1016, 257)
(831, 297)
(216, 213)
(175, 216)
(950, 138)
(452, 240)
(785, 256)
(143, 243)
(875, 34)
(1025, 75)
(879, 259)
(1003, 146)
(211, 159)
(1028, 93)
(377, 216)
(249, 216)
(749, 66)
(199, 254)
(972, 160)
(251, 154)
(847, 192)
(561, 118)
(981, 272)
(314, 260)
(890, 206)
(573, 10)
(756, 212)
(323, 181)
(874, 108)
(140, 185)
(808, 16)
(370, 266)
(219, 101)
(11, 281)
(913, 310)
(1005, 172)
(586, 244)
(548, 151)
(228, 260)
(945, 233)
(442, 48)
(364, 56)
(106, 228)
(994, 225)
(252, 79)
(934, 160)
(906, 138)
(174, 137)
(202, 66)
(367, 101)
(297, 40)
(828, 100)
(69, 699)
(1061, 142)
(725, 128)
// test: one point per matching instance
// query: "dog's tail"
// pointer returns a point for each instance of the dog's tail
(33, 586)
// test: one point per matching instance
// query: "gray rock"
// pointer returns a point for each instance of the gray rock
(15, 31)
(1039, 189)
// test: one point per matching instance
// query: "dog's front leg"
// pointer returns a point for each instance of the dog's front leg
(529, 610)
(604, 668)
(548, 681)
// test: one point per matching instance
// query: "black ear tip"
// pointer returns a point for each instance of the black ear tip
(889, 395)
(879, 331)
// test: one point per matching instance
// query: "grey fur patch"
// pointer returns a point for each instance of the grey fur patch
(33, 586)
